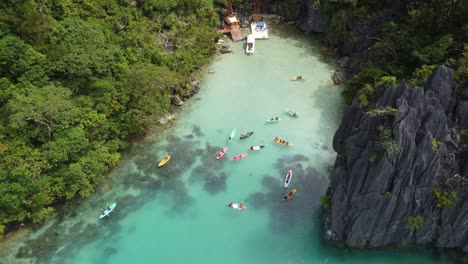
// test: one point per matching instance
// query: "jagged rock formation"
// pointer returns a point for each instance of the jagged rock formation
(374, 190)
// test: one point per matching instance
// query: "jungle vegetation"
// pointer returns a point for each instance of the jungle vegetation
(77, 78)
(404, 39)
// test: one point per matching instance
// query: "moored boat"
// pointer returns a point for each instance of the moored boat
(221, 153)
(291, 112)
(273, 120)
(289, 195)
(237, 206)
(239, 156)
(164, 161)
(107, 211)
(250, 45)
(254, 148)
(297, 78)
(246, 135)
(287, 179)
(282, 142)
(233, 134)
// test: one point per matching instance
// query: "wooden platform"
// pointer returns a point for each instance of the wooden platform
(236, 35)
(258, 33)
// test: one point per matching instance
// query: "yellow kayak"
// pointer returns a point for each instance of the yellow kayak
(164, 161)
(289, 195)
(297, 78)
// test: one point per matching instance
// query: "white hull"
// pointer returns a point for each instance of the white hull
(250, 45)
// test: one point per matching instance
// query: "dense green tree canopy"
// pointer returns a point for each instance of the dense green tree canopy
(76, 79)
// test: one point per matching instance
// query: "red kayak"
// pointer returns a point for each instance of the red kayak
(221, 153)
(238, 157)
(289, 195)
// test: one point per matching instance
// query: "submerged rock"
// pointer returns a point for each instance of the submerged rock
(379, 186)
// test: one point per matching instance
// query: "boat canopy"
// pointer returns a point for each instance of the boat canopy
(233, 19)
(250, 38)
(260, 25)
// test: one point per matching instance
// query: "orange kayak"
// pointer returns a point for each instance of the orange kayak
(164, 161)
(277, 140)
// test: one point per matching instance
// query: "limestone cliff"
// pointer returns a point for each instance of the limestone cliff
(376, 191)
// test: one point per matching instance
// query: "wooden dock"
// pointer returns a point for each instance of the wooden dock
(259, 33)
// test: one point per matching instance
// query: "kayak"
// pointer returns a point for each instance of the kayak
(237, 206)
(221, 153)
(253, 148)
(297, 78)
(277, 140)
(106, 212)
(233, 134)
(238, 157)
(289, 195)
(244, 136)
(291, 112)
(287, 179)
(164, 161)
(273, 120)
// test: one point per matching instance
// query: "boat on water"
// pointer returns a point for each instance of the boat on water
(226, 48)
(244, 136)
(282, 142)
(107, 211)
(287, 179)
(289, 195)
(237, 206)
(259, 30)
(291, 112)
(297, 78)
(164, 161)
(233, 134)
(255, 148)
(221, 153)
(250, 45)
(273, 120)
(239, 156)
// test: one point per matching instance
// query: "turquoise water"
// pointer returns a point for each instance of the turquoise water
(178, 213)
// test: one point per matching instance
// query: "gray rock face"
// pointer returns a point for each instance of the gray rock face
(373, 190)
(314, 21)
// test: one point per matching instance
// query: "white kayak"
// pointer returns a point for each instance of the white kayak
(287, 179)
(108, 210)
(253, 148)
(233, 134)
(237, 206)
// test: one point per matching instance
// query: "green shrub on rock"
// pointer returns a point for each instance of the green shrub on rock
(414, 222)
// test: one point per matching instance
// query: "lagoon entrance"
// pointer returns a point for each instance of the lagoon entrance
(178, 213)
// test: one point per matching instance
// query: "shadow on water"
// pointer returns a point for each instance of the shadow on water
(310, 44)
(145, 180)
(295, 212)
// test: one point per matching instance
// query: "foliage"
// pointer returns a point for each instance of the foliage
(381, 111)
(435, 144)
(420, 75)
(418, 36)
(388, 194)
(76, 79)
(444, 199)
(325, 201)
(414, 222)
(387, 141)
